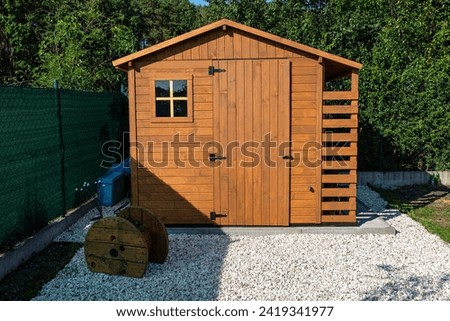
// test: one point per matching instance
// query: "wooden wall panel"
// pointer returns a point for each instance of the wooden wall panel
(169, 186)
(304, 133)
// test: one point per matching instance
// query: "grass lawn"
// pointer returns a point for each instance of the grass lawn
(424, 203)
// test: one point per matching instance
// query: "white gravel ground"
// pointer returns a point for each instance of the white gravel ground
(412, 265)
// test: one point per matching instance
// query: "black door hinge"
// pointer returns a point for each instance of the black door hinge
(214, 215)
(212, 70)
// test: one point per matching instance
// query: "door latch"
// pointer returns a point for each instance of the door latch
(213, 157)
(288, 157)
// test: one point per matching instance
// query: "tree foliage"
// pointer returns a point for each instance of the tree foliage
(403, 44)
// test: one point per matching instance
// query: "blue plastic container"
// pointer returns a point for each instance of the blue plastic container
(121, 167)
(111, 188)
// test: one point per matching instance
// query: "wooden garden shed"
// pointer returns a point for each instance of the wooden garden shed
(230, 125)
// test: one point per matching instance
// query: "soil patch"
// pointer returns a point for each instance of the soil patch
(26, 282)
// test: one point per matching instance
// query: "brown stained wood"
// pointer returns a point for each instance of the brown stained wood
(203, 131)
(339, 192)
(176, 204)
(303, 79)
(344, 178)
(178, 189)
(310, 203)
(257, 130)
(335, 206)
(303, 138)
(339, 137)
(303, 171)
(340, 164)
(305, 195)
(249, 95)
(351, 218)
(232, 76)
(340, 151)
(303, 87)
(176, 172)
(240, 134)
(299, 113)
(304, 96)
(199, 123)
(303, 216)
(261, 94)
(304, 129)
(248, 136)
(274, 111)
(264, 91)
(298, 185)
(354, 79)
(133, 134)
(337, 95)
(222, 126)
(284, 136)
(115, 246)
(216, 28)
(308, 121)
(262, 49)
(175, 180)
(229, 44)
(329, 109)
(319, 96)
(298, 104)
(193, 197)
(305, 71)
(156, 230)
(125, 252)
(340, 123)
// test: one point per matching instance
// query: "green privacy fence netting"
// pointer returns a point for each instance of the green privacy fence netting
(50, 152)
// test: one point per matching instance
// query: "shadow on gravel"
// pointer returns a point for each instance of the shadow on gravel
(24, 283)
(192, 271)
(410, 288)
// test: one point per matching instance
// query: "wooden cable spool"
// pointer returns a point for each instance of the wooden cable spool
(154, 227)
(124, 245)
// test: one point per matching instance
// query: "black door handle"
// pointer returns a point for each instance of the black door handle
(288, 157)
(213, 157)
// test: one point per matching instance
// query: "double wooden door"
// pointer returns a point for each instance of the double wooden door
(251, 134)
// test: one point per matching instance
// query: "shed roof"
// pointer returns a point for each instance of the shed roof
(121, 63)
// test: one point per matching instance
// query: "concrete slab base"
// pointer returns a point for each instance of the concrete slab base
(367, 223)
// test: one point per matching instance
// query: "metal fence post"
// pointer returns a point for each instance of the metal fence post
(61, 146)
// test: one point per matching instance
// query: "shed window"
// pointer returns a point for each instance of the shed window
(172, 100)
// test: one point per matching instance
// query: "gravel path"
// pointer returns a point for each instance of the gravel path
(412, 265)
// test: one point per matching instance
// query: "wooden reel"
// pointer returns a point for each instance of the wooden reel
(152, 226)
(124, 245)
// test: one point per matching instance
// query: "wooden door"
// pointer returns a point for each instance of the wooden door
(251, 131)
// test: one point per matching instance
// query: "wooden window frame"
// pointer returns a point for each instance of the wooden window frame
(167, 77)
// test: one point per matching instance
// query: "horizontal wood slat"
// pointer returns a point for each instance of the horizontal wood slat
(341, 164)
(345, 178)
(339, 218)
(338, 95)
(328, 109)
(340, 151)
(339, 192)
(302, 218)
(340, 123)
(339, 137)
(338, 206)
